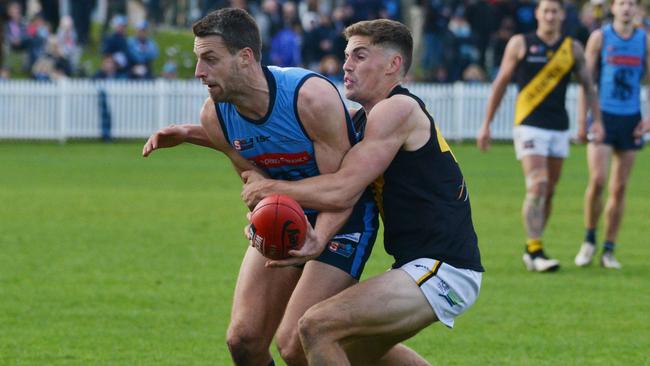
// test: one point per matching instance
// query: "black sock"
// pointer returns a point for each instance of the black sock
(590, 236)
(609, 246)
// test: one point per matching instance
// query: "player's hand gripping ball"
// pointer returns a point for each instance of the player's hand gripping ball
(278, 225)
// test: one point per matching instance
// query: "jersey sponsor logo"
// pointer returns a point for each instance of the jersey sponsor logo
(545, 81)
(622, 60)
(249, 142)
(341, 248)
(275, 160)
(536, 48)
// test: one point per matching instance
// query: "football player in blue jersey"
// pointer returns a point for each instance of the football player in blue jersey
(286, 123)
(425, 206)
(618, 56)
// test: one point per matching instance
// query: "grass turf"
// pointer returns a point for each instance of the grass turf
(108, 258)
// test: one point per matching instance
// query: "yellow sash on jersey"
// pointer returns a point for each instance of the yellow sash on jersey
(546, 79)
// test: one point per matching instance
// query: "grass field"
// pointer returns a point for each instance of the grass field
(110, 259)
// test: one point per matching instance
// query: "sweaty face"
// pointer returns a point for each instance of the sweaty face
(624, 10)
(215, 66)
(364, 66)
(549, 15)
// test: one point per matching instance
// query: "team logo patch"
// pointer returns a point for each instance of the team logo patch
(340, 248)
(529, 144)
(354, 237)
(448, 294)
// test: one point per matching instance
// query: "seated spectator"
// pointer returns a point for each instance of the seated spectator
(5, 74)
(15, 31)
(108, 70)
(142, 52)
(67, 39)
(170, 70)
(38, 31)
(474, 74)
(330, 67)
(115, 44)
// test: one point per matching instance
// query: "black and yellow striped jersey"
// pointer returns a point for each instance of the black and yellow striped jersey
(424, 203)
(542, 77)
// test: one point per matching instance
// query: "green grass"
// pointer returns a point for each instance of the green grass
(110, 259)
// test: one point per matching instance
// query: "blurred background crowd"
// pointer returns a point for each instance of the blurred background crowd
(455, 40)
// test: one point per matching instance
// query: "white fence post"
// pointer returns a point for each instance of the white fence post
(161, 86)
(63, 85)
(459, 114)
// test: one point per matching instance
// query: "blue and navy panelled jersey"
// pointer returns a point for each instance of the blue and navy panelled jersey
(622, 62)
(278, 143)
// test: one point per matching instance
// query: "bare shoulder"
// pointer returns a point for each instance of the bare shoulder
(317, 94)
(394, 110)
(210, 123)
(321, 110)
(517, 45)
(209, 112)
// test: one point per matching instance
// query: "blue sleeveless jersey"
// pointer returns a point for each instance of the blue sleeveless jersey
(278, 143)
(622, 62)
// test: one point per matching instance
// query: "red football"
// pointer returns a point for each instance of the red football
(278, 225)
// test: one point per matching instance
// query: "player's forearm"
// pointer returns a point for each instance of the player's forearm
(591, 98)
(329, 223)
(498, 90)
(582, 110)
(310, 193)
(196, 135)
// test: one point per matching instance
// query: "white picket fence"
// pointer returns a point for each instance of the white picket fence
(69, 109)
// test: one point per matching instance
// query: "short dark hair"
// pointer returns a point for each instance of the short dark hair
(387, 33)
(235, 26)
(561, 2)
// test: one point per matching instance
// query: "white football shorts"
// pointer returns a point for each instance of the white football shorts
(449, 290)
(531, 140)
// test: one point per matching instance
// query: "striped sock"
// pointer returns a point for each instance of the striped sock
(590, 236)
(609, 246)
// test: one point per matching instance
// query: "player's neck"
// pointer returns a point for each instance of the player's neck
(549, 36)
(623, 29)
(253, 97)
(383, 93)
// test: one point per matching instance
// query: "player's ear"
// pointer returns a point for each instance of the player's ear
(246, 56)
(395, 65)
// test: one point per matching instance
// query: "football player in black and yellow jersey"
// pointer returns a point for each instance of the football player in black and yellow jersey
(541, 63)
(424, 202)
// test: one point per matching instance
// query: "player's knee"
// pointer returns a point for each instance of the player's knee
(537, 183)
(312, 329)
(597, 184)
(244, 345)
(290, 348)
(617, 192)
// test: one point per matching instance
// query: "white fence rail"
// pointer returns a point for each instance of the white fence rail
(70, 108)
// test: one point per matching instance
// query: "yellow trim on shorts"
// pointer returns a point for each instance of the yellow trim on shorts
(429, 274)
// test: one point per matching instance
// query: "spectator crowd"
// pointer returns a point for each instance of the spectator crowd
(454, 39)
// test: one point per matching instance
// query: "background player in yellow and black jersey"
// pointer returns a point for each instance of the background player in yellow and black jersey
(427, 217)
(542, 63)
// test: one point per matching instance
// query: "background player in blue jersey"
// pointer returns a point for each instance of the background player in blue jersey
(289, 124)
(618, 55)
(542, 63)
(425, 208)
